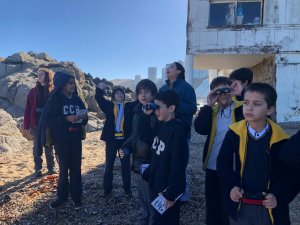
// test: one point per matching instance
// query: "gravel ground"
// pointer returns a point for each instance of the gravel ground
(25, 200)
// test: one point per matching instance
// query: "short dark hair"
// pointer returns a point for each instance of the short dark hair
(146, 84)
(169, 98)
(266, 90)
(117, 88)
(242, 74)
(219, 81)
(181, 69)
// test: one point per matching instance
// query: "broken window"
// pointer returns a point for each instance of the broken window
(231, 13)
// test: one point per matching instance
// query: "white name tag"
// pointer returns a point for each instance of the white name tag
(143, 167)
(160, 204)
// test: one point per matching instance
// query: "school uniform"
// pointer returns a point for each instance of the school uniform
(250, 160)
(214, 122)
(116, 130)
(166, 173)
(67, 139)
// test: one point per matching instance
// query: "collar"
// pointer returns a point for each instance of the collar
(257, 135)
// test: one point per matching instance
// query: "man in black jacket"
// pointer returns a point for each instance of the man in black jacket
(116, 130)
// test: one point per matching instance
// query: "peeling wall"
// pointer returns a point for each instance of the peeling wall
(265, 71)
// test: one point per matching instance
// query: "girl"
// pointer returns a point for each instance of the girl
(36, 100)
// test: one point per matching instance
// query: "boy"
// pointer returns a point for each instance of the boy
(213, 120)
(253, 178)
(118, 114)
(139, 143)
(241, 78)
(166, 173)
(65, 114)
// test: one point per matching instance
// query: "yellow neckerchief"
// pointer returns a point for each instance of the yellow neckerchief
(122, 122)
(240, 128)
(214, 127)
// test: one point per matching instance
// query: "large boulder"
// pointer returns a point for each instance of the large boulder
(11, 138)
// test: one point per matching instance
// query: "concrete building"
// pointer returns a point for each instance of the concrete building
(152, 74)
(137, 79)
(261, 34)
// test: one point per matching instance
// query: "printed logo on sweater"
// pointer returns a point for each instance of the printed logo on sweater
(71, 109)
(158, 145)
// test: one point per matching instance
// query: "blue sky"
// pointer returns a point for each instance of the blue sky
(107, 38)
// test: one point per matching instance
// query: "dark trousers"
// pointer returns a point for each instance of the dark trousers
(111, 151)
(215, 209)
(252, 215)
(38, 152)
(170, 217)
(69, 160)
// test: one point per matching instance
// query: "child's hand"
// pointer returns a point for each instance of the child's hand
(83, 116)
(270, 201)
(236, 194)
(211, 98)
(121, 154)
(72, 118)
(237, 88)
(169, 204)
(148, 112)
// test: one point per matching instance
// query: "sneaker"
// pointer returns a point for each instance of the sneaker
(56, 203)
(78, 204)
(106, 194)
(51, 171)
(38, 174)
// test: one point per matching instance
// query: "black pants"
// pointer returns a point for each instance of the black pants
(111, 151)
(170, 217)
(38, 152)
(215, 209)
(69, 160)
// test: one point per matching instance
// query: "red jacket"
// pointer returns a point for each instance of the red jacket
(30, 110)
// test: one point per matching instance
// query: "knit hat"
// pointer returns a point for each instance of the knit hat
(60, 79)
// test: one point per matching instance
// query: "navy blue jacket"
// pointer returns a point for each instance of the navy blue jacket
(107, 107)
(188, 104)
(169, 158)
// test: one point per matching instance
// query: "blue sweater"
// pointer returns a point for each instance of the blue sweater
(188, 104)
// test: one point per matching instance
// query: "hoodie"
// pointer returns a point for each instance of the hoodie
(59, 107)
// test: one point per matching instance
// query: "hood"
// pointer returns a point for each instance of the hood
(60, 79)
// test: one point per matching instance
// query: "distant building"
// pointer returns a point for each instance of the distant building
(137, 79)
(152, 74)
(261, 34)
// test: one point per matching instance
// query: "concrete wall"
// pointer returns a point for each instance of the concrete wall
(288, 87)
(280, 30)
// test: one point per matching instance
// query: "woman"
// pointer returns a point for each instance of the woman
(36, 100)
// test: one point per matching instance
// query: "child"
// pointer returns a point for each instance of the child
(213, 120)
(250, 171)
(65, 114)
(240, 78)
(144, 127)
(36, 100)
(114, 131)
(166, 173)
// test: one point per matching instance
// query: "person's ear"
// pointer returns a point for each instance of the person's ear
(245, 83)
(271, 110)
(172, 108)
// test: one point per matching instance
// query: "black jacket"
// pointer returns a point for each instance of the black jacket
(231, 162)
(167, 170)
(144, 129)
(290, 152)
(107, 107)
(205, 124)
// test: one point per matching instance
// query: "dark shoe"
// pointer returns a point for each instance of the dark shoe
(38, 174)
(106, 194)
(78, 204)
(128, 193)
(51, 171)
(56, 203)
